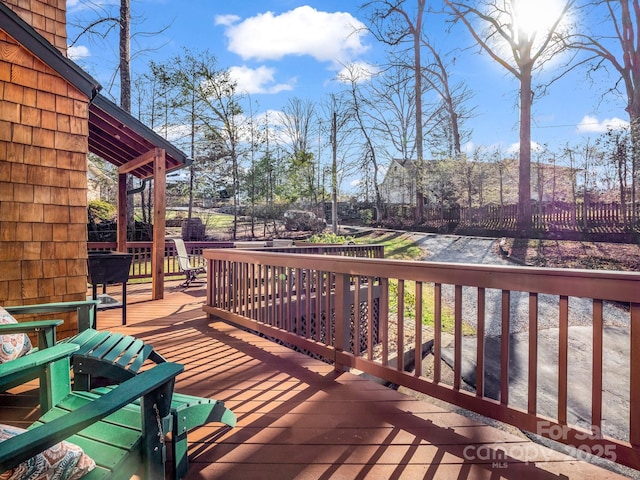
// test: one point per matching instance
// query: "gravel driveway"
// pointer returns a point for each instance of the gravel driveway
(484, 251)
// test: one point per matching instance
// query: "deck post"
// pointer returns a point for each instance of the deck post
(342, 309)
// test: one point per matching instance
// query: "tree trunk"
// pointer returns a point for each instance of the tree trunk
(524, 185)
(634, 114)
(334, 175)
(125, 94)
(418, 93)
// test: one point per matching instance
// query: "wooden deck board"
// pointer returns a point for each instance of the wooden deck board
(299, 419)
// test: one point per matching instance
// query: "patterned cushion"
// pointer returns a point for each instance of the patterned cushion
(14, 345)
(64, 461)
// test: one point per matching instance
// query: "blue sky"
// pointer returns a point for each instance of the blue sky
(278, 49)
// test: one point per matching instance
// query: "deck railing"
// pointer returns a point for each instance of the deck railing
(358, 313)
(142, 252)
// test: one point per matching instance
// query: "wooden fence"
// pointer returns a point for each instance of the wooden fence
(556, 216)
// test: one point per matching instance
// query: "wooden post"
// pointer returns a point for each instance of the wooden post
(122, 213)
(159, 220)
(157, 156)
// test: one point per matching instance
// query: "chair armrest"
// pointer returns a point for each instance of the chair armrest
(151, 385)
(46, 330)
(85, 309)
(36, 359)
(28, 327)
(21, 366)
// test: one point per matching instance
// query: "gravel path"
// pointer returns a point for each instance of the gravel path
(481, 250)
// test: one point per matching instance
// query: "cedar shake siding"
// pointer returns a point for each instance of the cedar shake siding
(47, 17)
(43, 181)
(44, 132)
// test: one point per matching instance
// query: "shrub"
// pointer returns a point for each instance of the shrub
(101, 211)
(330, 237)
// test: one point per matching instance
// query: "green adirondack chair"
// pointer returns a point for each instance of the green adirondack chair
(117, 358)
(130, 441)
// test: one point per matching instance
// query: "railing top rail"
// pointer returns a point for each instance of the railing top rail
(619, 286)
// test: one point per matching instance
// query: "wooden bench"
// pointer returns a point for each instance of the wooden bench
(123, 438)
(117, 358)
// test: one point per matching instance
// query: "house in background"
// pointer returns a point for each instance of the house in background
(51, 117)
(100, 185)
(450, 181)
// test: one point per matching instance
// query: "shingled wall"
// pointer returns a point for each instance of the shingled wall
(43, 169)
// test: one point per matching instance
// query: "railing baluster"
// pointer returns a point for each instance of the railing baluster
(342, 329)
(400, 327)
(384, 320)
(227, 284)
(437, 331)
(563, 357)
(329, 288)
(356, 317)
(242, 270)
(532, 404)
(279, 297)
(309, 275)
(480, 343)
(418, 333)
(504, 348)
(298, 300)
(457, 342)
(596, 382)
(370, 319)
(273, 316)
(318, 300)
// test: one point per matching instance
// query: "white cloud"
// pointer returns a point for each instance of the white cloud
(357, 71)
(258, 80)
(78, 53)
(327, 37)
(226, 20)
(468, 148)
(174, 133)
(514, 148)
(590, 124)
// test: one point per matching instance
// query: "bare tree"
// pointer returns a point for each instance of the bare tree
(516, 45)
(297, 120)
(361, 111)
(210, 112)
(453, 97)
(392, 102)
(396, 22)
(619, 47)
(338, 115)
(618, 151)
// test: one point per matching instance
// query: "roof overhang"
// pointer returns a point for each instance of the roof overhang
(114, 134)
(119, 138)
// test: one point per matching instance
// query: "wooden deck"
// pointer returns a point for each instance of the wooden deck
(298, 419)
